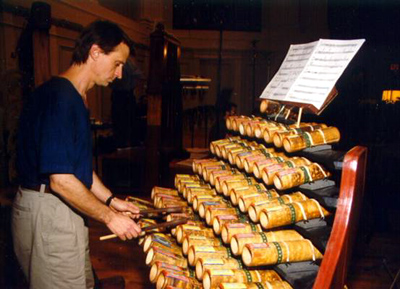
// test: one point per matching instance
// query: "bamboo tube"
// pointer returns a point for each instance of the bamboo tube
(228, 185)
(214, 144)
(239, 241)
(246, 201)
(279, 136)
(215, 211)
(157, 237)
(187, 182)
(291, 213)
(310, 139)
(202, 166)
(184, 215)
(243, 126)
(228, 122)
(299, 175)
(196, 163)
(219, 181)
(249, 162)
(270, 107)
(235, 194)
(217, 204)
(280, 252)
(239, 157)
(255, 154)
(228, 230)
(193, 192)
(237, 120)
(178, 177)
(215, 174)
(259, 127)
(186, 187)
(166, 191)
(169, 203)
(207, 170)
(181, 179)
(196, 222)
(212, 278)
(219, 147)
(257, 285)
(160, 199)
(260, 151)
(233, 153)
(189, 241)
(195, 252)
(171, 247)
(226, 149)
(268, 173)
(156, 254)
(251, 126)
(219, 221)
(258, 166)
(204, 264)
(158, 266)
(183, 230)
(220, 150)
(255, 209)
(268, 132)
(200, 199)
(171, 278)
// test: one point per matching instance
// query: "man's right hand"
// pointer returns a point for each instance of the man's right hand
(123, 226)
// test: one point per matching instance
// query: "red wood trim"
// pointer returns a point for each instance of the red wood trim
(333, 270)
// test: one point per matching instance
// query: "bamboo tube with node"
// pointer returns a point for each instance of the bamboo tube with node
(280, 135)
(268, 173)
(279, 252)
(257, 207)
(212, 278)
(204, 264)
(158, 266)
(171, 278)
(291, 213)
(239, 241)
(299, 175)
(295, 143)
(256, 285)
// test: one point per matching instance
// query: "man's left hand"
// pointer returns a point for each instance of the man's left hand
(125, 207)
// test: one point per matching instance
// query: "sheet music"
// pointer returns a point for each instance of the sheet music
(310, 71)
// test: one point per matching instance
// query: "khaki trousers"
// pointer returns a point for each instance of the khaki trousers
(50, 241)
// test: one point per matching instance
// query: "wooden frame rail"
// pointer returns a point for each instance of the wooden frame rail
(333, 270)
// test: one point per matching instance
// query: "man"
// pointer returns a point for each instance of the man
(58, 184)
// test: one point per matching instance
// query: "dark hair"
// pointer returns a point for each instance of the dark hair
(105, 34)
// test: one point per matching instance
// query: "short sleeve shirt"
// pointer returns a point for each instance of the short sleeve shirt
(54, 135)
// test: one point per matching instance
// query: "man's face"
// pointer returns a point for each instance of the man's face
(109, 66)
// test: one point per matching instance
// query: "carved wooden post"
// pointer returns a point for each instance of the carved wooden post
(164, 101)
(40, 19)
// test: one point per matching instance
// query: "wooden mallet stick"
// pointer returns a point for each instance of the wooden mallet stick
(152, 227)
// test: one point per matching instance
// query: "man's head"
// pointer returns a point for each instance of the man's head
(104, 47)
(105, 34)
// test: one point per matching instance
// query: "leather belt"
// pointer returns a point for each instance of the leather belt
(37, 188)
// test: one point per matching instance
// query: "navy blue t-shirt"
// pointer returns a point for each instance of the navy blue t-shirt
(54, 135)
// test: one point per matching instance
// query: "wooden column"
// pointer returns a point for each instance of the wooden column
(164, 103)
(40, 19)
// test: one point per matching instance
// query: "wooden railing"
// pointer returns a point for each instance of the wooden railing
(333, 270)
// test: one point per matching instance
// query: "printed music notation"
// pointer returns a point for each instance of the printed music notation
(309, 71)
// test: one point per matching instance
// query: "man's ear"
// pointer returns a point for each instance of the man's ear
(95, 51)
